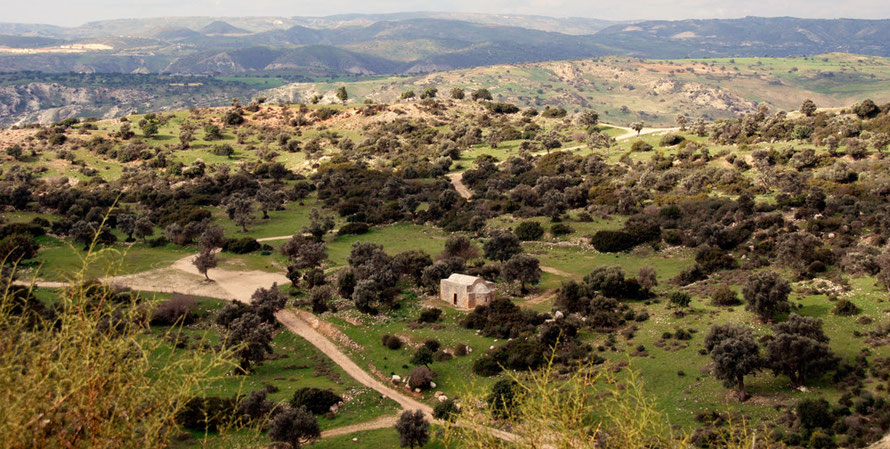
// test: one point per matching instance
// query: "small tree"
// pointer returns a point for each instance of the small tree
(252, 339)
(647, 278)
(144, 228)
(766, 294)
(319, 224)
(637, 126)
(423, 356)
(457, 93)
(204, 261)
(342, 95)
(682, 121)
(212, 238)
(239, 208)
(588, 118)
(126, 223)
(149, 128)
(800, 350)
(523, 268)
(413, 428)
(481, 94)
(735, 353)
(808, 108)
(501, 245)
(269, 198)
(304, 252)
(294, 426)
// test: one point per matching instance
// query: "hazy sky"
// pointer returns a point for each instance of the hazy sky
(70, 12)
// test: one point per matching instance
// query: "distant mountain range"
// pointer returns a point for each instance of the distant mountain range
(408, 43)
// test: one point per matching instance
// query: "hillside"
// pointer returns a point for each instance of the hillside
(655, 91)
(718, 281)
(624, 90)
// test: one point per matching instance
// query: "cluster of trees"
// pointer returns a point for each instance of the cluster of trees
(798, 349)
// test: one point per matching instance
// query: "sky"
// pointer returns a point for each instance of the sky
(70, 13)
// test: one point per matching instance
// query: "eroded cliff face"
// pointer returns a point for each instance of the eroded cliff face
(51, 102)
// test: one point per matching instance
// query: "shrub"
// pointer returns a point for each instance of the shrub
(845, 307)
(639, 145)
(486, 366)
(446, 410)
(420, 377)
(680, 299)
(558, 229)
(353, 229)
(712, 258)
(502, 108)
(207, 414)
(671, 139)
(179, 309)
(613, 241)
(432, 344)
(529, 230)
(554, 113)
(223, 150)
(430, 315)
(461, 350)
(392, 342)
(243, 245)
(725, 296)
(325, 113)
(316, 400)
(814, 414)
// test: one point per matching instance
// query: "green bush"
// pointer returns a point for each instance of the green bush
(207, 414)
(671, 139)
(725, 296)
(430, 315)
(529, 230)
(391, 341)
(613, 241)
(639, 145)
(845, 307)
(558, 229)
(446, 410)
(243, 245)
(315, 400)
(353, 229)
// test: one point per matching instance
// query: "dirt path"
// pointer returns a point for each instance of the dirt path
(556, 271)
(458, 183)
(383, 422)
(303, 329)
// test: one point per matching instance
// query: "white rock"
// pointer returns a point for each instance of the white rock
(417, 390)
(335, 408)
(442, 398)
(355, 439)
(491, 347)
(558, 315)
(432, 385)
(396, 378)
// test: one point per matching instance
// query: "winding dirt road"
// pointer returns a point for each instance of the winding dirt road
(183, 277)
